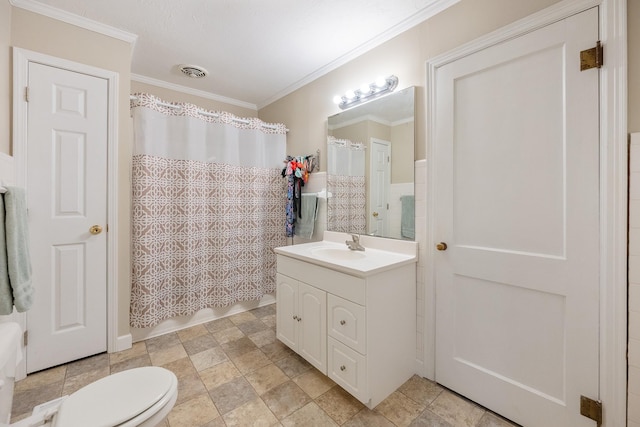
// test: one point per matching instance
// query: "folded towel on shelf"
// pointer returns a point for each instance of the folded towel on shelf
(17, 283)
(407, 217)
(309, 211)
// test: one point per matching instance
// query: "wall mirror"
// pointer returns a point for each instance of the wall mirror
(370, 167)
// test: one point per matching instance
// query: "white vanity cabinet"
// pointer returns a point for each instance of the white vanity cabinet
(358, 330)
(302, 320)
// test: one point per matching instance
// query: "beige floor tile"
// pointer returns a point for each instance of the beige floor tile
(368, 418)
(199, 343)
(262, 338)
(192, 332)
(286, 398)
(314, 383)
(266, 378)
(232, 395)
(491, 420)
(161, 342)
(167, 355)
(87, 364)
(39, 379)
(228, 334)
(208, 358)
(137, 349)
(270, 320)
(193, 413)
(252, 414)
(399, 409)
(251, 361)
(76, 382)
(429, 419)
(135, 362)
(276, 351)
(238, 347)
(420, 390)
(293, 365)
(218, 325)
(219, 374)
(339, 404)
(456, 410)
(24, 401)
(244, 317)
(309, 415)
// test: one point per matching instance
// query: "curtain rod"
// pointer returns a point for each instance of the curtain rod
(206, 113)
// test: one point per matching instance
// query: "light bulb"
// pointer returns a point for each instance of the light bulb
(337, 99)
(350, 94)
(381, 82)
(365, 89)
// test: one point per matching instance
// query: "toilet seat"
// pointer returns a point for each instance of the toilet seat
(127, 398)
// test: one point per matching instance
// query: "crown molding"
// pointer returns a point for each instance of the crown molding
(192, 91)
(434, 8)
(73, 19)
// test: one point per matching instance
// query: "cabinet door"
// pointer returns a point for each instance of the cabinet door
(312, 338)
(287, 312)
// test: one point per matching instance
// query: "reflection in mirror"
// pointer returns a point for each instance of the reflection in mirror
(370, 167)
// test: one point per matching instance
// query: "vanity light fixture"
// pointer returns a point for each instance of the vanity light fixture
(366, 92)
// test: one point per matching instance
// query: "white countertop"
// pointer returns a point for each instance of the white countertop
(379, 255)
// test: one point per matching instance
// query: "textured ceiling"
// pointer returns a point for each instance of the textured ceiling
(255, 50)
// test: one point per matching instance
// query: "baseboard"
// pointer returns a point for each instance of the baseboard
(123, 342)
(200, 317)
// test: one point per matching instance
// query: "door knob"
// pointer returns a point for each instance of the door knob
(95, 229)
(375, 214)
(442, 246)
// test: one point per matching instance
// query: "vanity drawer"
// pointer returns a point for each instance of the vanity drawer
(348, 369)
(347, 323)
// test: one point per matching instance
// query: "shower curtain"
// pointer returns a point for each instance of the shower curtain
(207, 209)
(346, 210)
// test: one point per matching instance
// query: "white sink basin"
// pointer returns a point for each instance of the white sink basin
(337, 254)
(379, 254)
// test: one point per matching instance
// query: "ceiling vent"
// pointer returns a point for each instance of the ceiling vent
(193, 71)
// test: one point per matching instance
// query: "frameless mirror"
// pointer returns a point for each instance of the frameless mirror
(370, 168)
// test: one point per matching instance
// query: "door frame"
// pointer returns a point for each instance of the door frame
(613, 190)
(21, 60)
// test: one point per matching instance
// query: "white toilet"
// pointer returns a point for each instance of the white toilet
(137, 397)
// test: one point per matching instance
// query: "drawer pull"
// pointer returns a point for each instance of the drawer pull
(343, 322)
(295, 317)
(343, 368)
(299, 319)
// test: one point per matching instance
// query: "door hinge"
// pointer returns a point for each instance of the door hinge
(591, 409)
(592, 58)
(25, 338)
(26, 93)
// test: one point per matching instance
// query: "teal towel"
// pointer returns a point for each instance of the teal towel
(407, 217)
(17, 248)
(309, 210)
(6, 296)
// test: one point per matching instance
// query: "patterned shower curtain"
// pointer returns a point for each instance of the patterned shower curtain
(346, 209)
(208, 209)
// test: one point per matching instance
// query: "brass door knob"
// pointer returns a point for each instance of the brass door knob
(95, 229)
(442, 246)
(375, 214)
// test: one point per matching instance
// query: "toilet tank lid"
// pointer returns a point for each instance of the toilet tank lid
(10, 345)
(117, 398)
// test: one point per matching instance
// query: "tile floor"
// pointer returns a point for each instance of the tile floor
(234, 372)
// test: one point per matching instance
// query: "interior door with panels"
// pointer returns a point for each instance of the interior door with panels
(516, 169)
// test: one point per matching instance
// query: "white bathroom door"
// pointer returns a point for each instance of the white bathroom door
(66, 152)
(380, 163)
(516, 169)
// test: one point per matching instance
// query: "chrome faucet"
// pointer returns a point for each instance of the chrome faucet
(354, 244)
